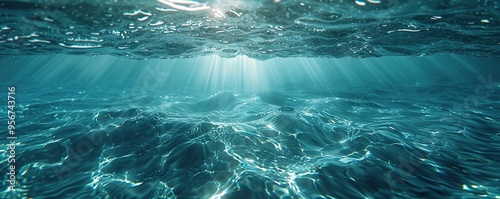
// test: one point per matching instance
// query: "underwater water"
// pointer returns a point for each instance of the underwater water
(249, 99)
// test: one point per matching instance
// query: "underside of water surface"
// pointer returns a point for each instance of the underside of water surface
(260, 29)
(250, 99)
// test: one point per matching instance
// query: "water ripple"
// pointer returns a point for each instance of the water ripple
(326, 145)
(257, 29)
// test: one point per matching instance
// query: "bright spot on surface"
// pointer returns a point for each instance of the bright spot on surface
(436, 17)
(485, 21)
(360, 3)
(218, 14)
(184, 5)
(363, 3)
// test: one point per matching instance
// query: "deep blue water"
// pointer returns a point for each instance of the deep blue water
(393, 127)
(261, 99)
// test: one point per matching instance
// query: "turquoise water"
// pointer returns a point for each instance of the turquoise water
(261, 99)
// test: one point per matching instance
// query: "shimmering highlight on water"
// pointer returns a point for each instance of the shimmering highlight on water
(421, 131)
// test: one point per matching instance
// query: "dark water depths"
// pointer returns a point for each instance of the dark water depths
(393, 127)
